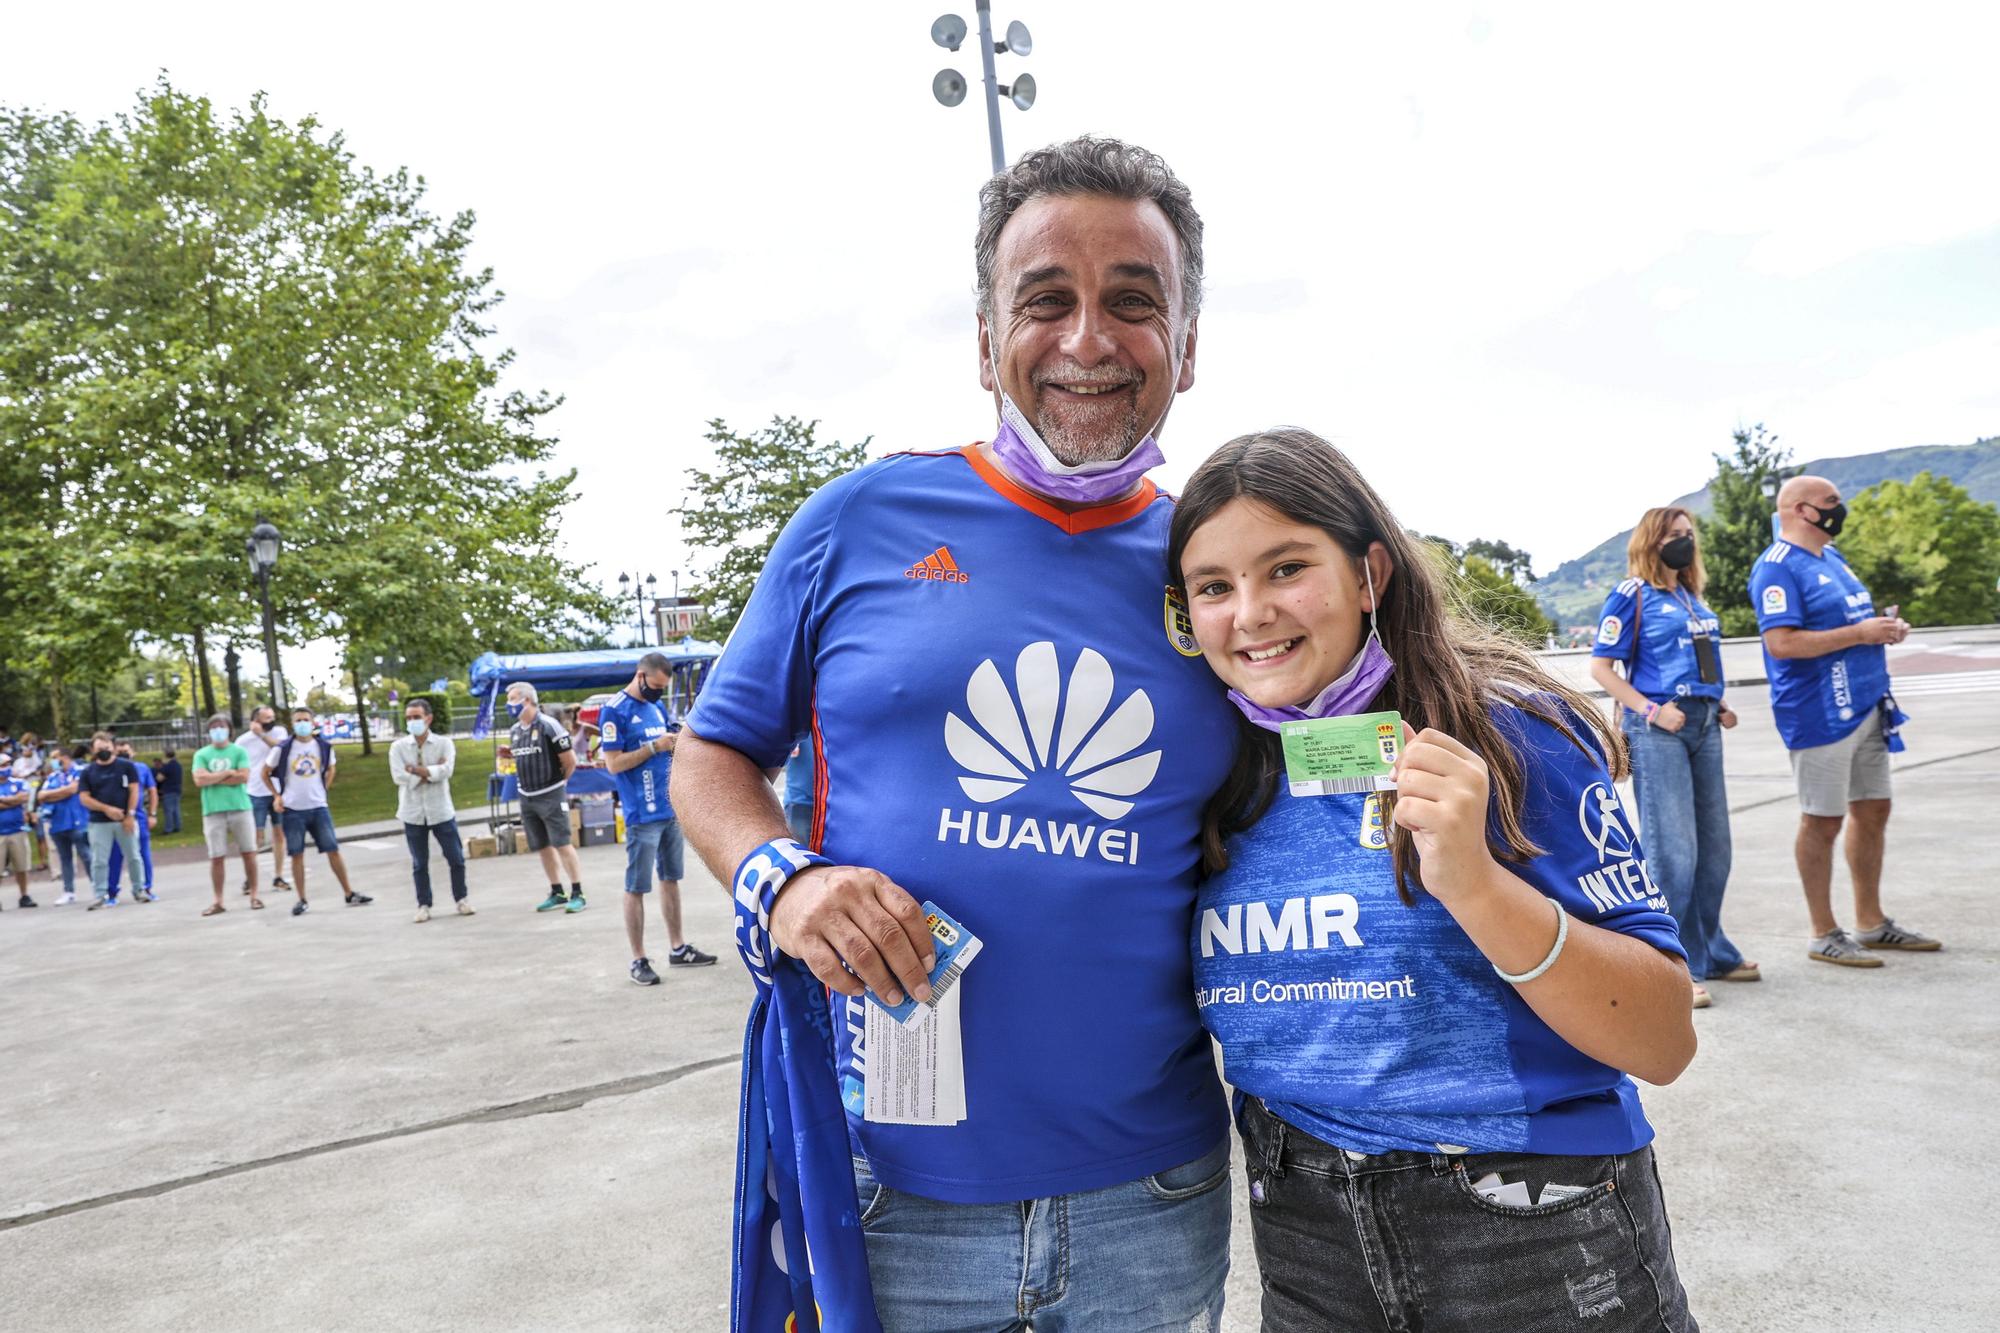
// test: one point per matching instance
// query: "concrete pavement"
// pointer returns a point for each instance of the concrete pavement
(350, 1121)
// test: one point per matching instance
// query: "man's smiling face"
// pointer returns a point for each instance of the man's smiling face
(1089, 334)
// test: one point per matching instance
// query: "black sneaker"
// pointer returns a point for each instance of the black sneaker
(643, 973)
(279, 883)
(27, 901)
(358, 900)
(299, 907)
(689, 956)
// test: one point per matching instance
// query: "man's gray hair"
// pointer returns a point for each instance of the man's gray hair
(524, 690)
(1089, 165)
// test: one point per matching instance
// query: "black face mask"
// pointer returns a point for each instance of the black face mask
(650, 694)
(104, 756)
(1678, 553)
(1831, 518)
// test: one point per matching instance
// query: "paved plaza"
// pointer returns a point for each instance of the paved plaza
(350, 1121)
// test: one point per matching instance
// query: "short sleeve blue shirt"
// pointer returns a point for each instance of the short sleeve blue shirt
(1653, 633)
(63, 814)
(1012, 725)
(626, 724)
(1381, 1027)
(1817, 700)
(13, 818)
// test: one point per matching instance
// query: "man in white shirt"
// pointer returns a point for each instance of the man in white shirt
(263, 736)
(421, 764)
(300, 770)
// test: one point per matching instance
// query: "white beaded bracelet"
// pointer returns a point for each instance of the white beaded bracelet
(1555, 951)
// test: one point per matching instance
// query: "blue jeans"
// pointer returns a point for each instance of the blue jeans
(1143, 1257)
(1684, 827)
(170, 812)
(145, 857)
(418, 838)
(642, 848)
(72, 845)
(318, 822)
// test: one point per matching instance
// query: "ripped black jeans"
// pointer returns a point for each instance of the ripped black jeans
(1405, 1242)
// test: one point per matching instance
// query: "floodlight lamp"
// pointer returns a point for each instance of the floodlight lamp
(948, 87)
(1021, 92)
(1018, 41)
(948, 31)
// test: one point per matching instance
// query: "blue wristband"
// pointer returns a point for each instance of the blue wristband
(763, 873)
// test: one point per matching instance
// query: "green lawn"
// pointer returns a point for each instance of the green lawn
(363, 792)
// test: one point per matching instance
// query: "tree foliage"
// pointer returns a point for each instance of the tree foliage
(1486, 591)
(1515, 563)
(215, 316)
(1738, 527)
(1927, 546)
(738, 508)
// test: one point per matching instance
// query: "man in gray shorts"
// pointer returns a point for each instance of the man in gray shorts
(1825, 654)
(543, 761)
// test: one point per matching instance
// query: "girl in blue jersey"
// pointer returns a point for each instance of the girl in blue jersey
(1673, 716)
(1429, 1001)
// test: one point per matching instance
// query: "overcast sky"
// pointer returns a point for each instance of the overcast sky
(1529, 264)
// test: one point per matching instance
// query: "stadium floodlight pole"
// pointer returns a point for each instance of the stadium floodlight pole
(262, 546)
(948, 87)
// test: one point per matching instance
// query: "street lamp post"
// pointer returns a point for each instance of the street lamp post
(641, 590)
(262, 547)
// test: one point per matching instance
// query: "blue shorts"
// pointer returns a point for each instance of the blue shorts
(650, 850)
(319, 822)
(260, 808)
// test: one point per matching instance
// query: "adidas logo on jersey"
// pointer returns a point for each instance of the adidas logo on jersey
(938, 566)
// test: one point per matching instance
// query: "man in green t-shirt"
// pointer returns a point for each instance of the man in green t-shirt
(221, 768)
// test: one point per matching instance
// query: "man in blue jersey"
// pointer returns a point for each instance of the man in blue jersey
(1014, 722)
(637, 743)
(1824, 654)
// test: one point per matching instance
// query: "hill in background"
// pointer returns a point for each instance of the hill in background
(1574, 592)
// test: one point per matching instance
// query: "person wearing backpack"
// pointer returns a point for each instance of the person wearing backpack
(300, 771)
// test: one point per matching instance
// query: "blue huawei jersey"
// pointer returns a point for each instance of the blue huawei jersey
(1008, 725)
(627, 724)
(1379, 1026)
(1653, 633)
(64, 815)
(13, 818)
(1816, 700)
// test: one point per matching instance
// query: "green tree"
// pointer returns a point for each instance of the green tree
(1502, 602)
(738, 508)
(1738, 527)
(1927, 546)
(1515, 563)
(213, 316)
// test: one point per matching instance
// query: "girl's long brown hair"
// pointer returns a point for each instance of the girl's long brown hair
(1452, 668)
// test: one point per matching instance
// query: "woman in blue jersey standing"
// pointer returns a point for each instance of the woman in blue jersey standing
(1429, 1001)
(1673, 715)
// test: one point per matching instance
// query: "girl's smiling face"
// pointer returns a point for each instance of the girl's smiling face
(1279, 609)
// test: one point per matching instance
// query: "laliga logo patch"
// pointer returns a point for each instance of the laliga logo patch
(1602, 821)
(1609, 631)
(1180, 627)
(1774, 600)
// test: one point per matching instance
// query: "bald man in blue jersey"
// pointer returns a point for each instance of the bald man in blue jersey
(1012, 722)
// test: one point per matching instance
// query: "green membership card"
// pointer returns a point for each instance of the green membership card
(1333, 756)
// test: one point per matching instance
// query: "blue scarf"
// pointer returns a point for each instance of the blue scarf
(794, 1170)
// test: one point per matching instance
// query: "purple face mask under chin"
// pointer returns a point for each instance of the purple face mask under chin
(1028, 460)
(1351, 693)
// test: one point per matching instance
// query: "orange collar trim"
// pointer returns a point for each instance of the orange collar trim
(1082, 520)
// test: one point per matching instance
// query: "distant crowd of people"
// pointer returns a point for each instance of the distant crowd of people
(268, 789)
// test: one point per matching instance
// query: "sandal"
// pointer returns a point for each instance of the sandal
(1745, 971)
(256, 904)
(213, 909)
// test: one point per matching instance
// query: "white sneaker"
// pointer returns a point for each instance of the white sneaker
(464, 907)
(65, 900)
(423, 914)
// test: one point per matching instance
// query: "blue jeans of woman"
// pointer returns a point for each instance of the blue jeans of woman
(1684, 827)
